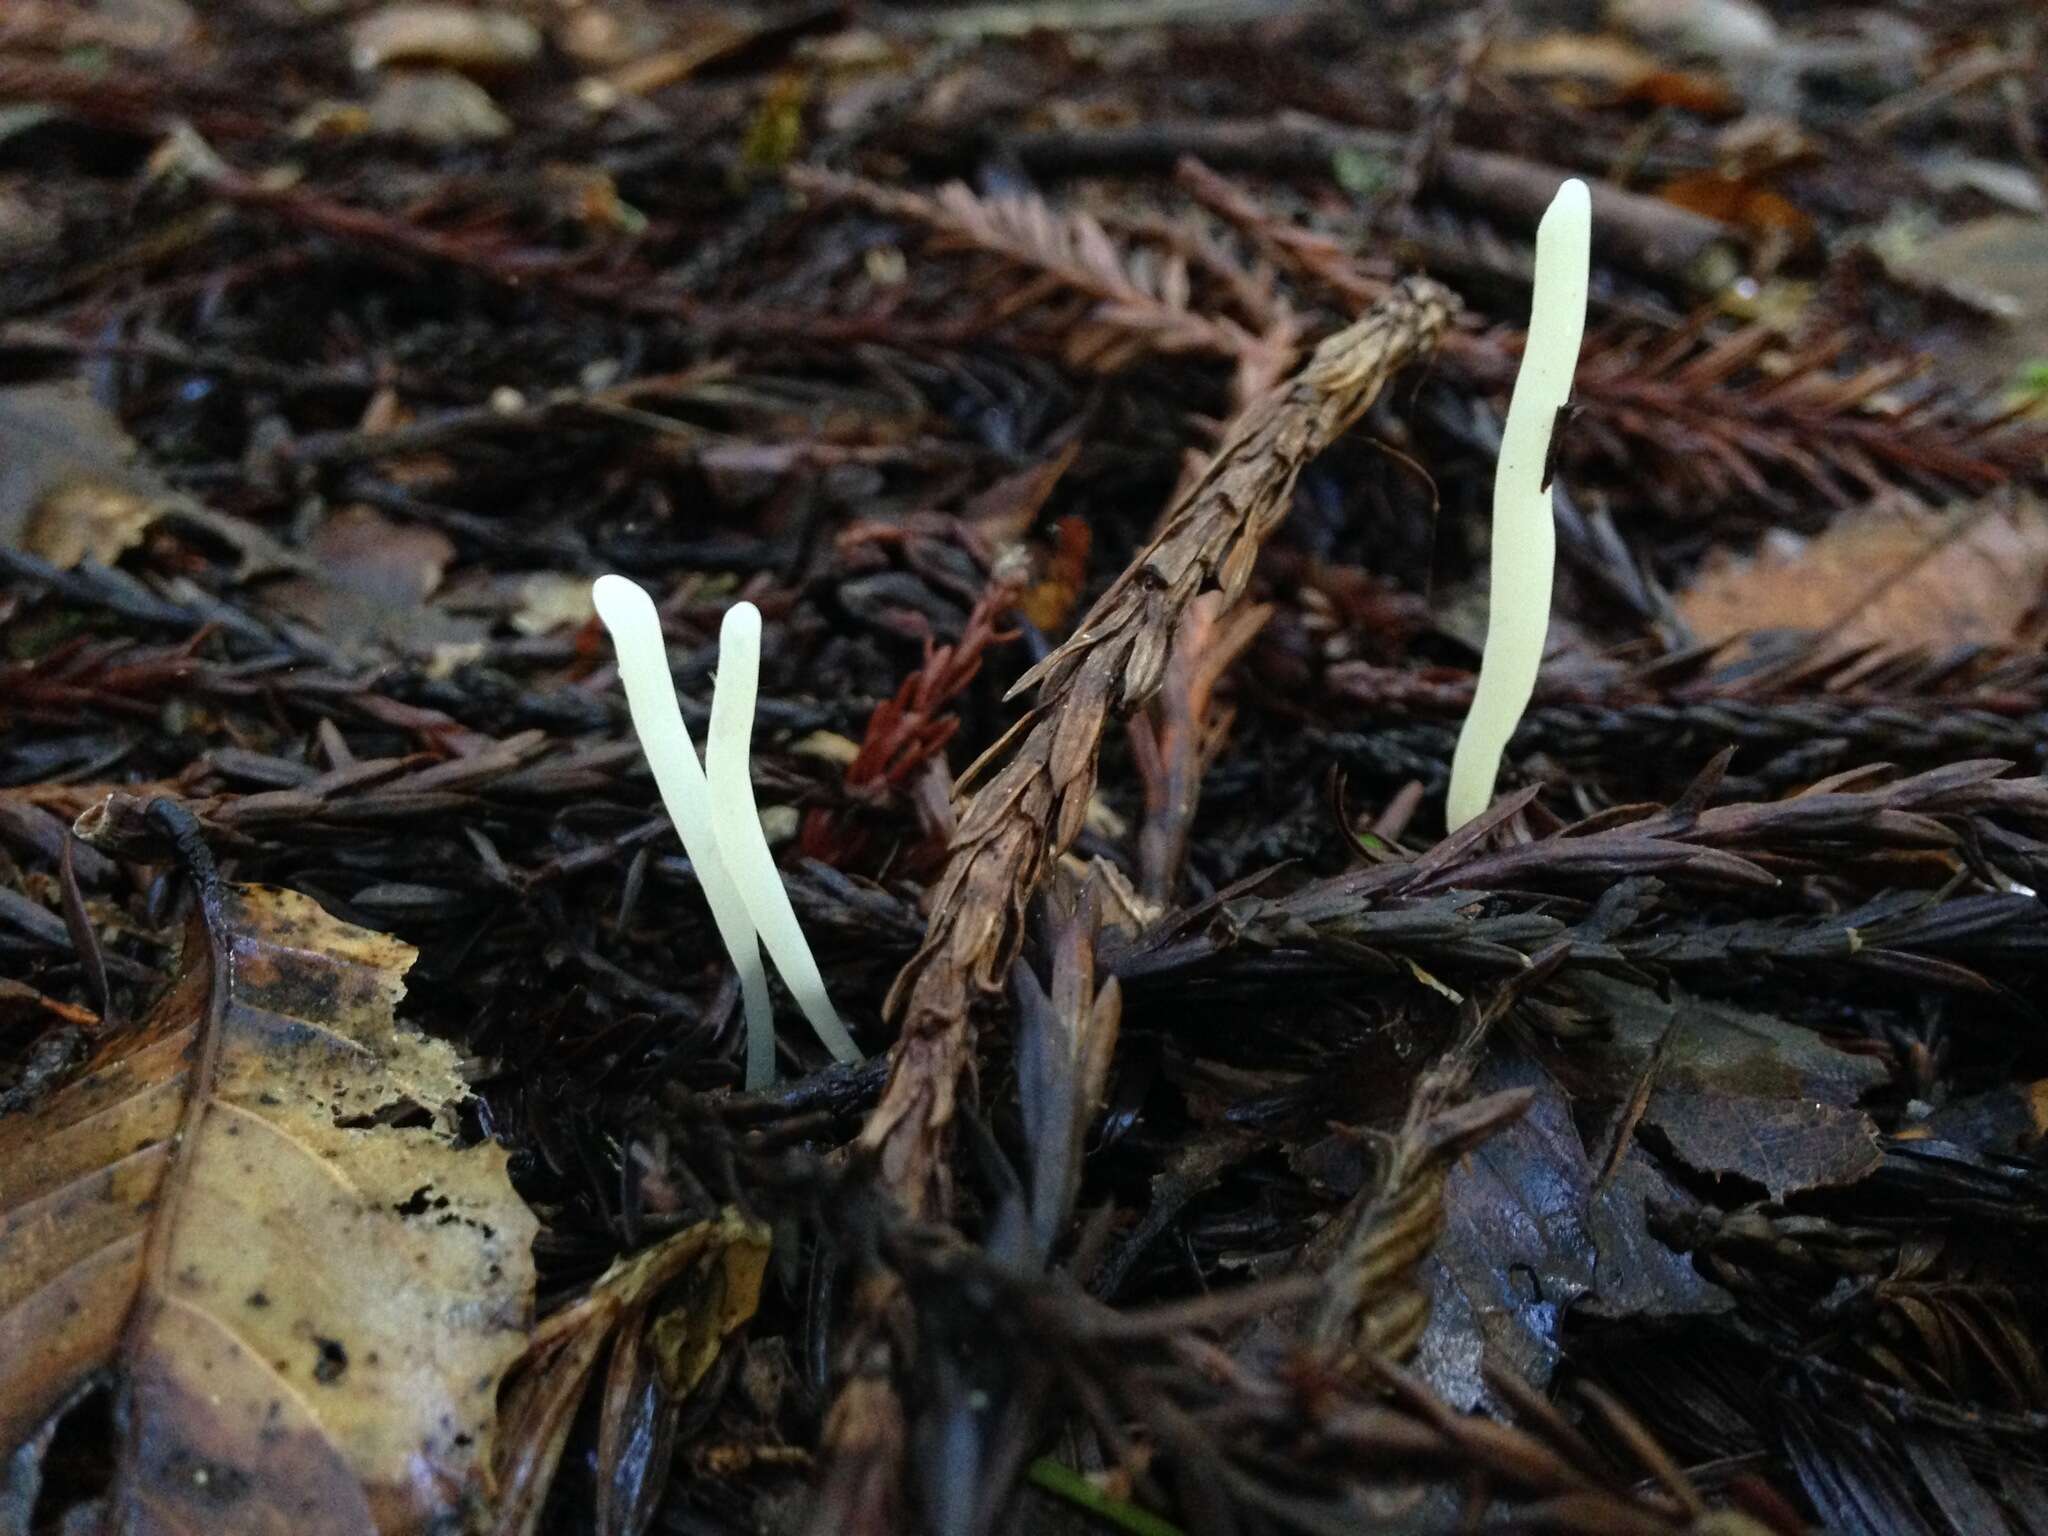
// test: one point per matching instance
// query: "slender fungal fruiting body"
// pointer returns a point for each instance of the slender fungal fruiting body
(737, 824)
(691, 801)
(1524, 533)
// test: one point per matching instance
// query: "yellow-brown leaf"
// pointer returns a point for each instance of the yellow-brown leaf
(305, 1311)
(1887, 575)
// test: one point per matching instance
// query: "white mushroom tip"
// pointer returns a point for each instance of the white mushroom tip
(620, 599)
(741, 625)
(1524, 535)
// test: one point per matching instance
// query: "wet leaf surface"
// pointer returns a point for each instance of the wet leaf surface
(1737, 1092)
(1529, 1234)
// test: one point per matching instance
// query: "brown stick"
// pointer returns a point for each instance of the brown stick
(1185, 731)
(1031, 810)
(1027, 815)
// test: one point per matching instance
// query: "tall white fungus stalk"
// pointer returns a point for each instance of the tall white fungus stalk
(737, 825)
(1524, 534)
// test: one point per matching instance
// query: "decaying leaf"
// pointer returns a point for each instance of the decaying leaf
(371, 578)
(1529, 1233)
(436, 107)
(664, 1314)
(1745, 202)
(1049, 601)
(1736, 1092)
(73, 487)
(2007, 1121)
(70, 488)
(1604, 57)
(450, 36)
(1785, 1144)
(1997, 265)
(304, 1300)
(1588, 67)
(550, 600)
(1892, 574)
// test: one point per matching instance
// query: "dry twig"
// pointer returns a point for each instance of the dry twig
(1031, 811)
(1185, 730)
(1032, 808)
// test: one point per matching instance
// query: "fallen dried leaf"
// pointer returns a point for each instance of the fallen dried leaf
(1049, 601)
(450, 36)
(550, 600)
(305, 1309)
(371, 584)
(1685, 90)
(1785, 1144)
(1736, 1092)
(1616, 70)
(436, 107)
(1999, 265)
(70, 488)
(1892, 574)
(1742, 201)
(1528, 1235)
(1599, 57)
(2007, 1121)
(710, 1277)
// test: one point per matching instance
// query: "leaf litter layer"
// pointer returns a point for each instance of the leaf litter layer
(1108, 395)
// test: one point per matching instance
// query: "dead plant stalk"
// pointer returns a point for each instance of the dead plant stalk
(1033, 806)
(1030, 811)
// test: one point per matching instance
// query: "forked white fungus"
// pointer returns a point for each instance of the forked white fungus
(628, 613)
(1524, 533)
